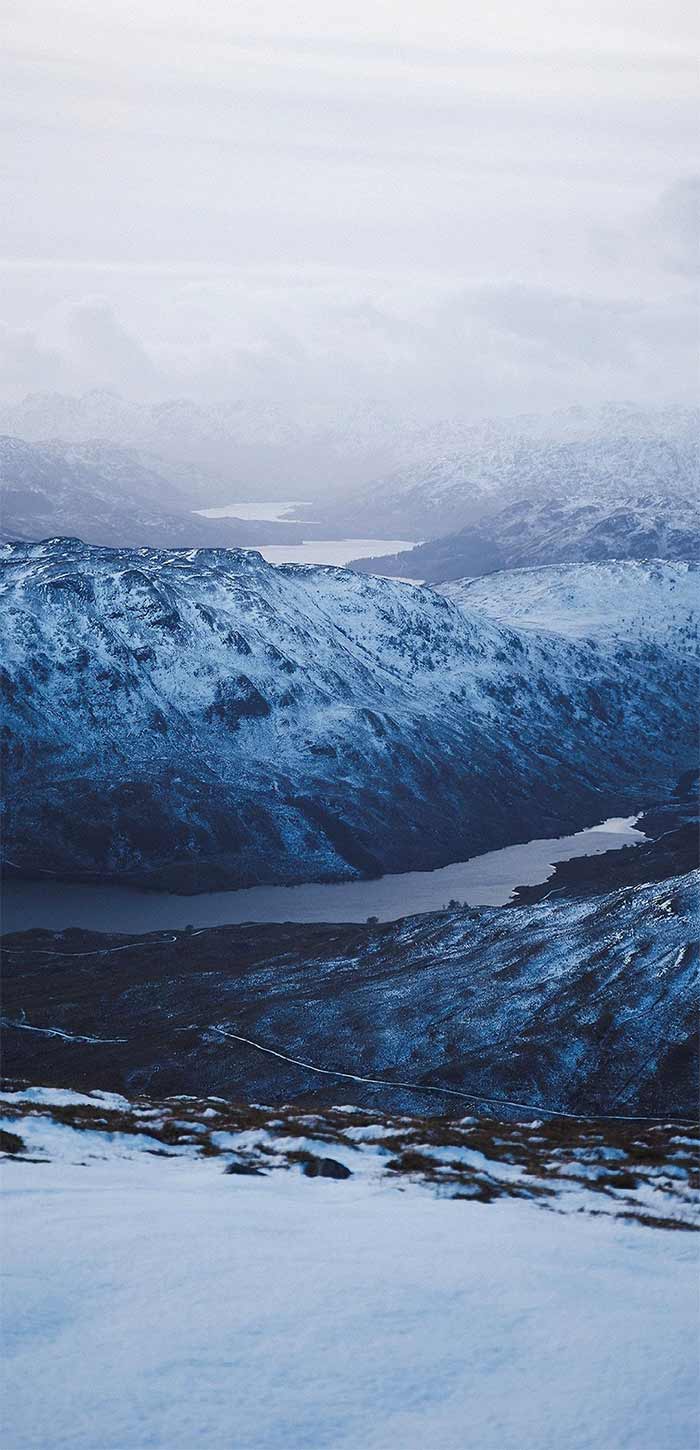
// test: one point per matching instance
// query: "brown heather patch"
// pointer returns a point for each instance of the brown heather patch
(554, 1156)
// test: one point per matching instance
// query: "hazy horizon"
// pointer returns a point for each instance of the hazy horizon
(397, 207)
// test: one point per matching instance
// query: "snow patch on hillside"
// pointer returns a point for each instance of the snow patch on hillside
(646, 599)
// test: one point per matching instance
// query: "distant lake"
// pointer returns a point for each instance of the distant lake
(487, 880)
(270, 511)
(312, 551)
(329, 551)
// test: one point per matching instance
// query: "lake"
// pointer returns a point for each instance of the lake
(312, 551)
(487, 880)
(329, 551)
(267, 511)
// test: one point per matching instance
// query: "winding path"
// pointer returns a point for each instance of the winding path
(449, 1092)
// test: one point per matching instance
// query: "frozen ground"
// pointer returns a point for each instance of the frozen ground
(161, 1302)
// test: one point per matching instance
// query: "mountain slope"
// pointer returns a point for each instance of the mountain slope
(536, 531)
(585, 1005)
(170, 1303)
(109, 496)
(652, 600)
(455, 475)
(199, 718)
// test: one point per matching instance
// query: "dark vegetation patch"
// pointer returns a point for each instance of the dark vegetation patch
(11, 1142)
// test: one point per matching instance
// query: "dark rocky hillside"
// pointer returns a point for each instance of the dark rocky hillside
(587, 1005)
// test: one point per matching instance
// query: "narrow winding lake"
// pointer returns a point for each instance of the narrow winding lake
(488, 880)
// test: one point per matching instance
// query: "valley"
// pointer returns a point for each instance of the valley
(583, 1001)
(585, 1006)
(484, 880)
(109, 494)
(349, 683)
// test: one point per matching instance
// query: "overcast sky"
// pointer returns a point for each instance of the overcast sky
(448, 207)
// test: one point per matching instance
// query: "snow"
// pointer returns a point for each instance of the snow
(65, 1097)
(161, 1303)
(453, 471)
(314, 707)
(60, 1143)
(651, 599)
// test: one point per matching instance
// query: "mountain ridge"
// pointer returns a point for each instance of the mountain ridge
(537, 531)
(198, 718)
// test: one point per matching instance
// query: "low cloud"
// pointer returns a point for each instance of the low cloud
(674, 227)
(104, 348)
(319, 350)
(26, 365)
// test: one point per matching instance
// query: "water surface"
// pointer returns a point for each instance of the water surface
(311, 551)
(269, 510)
(487, 880)
(330, 551)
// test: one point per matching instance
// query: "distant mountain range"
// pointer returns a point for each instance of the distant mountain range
(222, 451)
(553, 530)
(198, 718)
(606, 457)
(108, 495)
(372, 472)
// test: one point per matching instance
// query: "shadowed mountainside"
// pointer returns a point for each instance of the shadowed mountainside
(588, 1005)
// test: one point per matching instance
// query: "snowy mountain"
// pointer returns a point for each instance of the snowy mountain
(108, 495)
(455, 475)
(225, 450)
(653, 599)
(372, 469)
(554, 530)
(200, 718)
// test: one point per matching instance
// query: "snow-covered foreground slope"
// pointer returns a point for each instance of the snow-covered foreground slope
(154, 1301)
(199, 718)
(646, 599)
